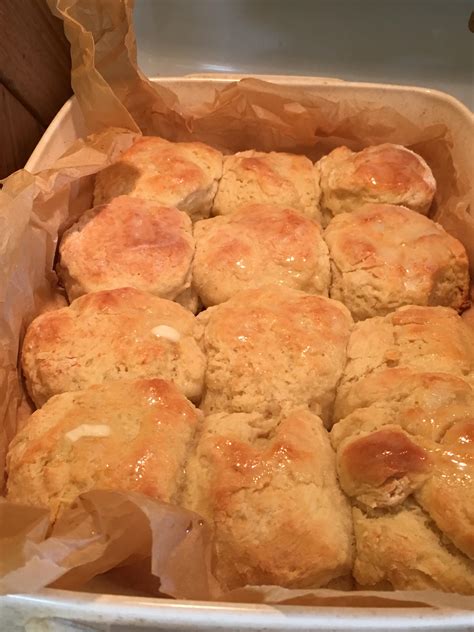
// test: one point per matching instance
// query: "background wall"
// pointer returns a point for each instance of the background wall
(418, 42)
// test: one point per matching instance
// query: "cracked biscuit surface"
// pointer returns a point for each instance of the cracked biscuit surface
(405, 457)
(272, 349)
(184, 175)
(250, 177)
(269, 487)
(112, 335)
(413, 397)
(387, 174)
(426, 339)
(258, 245)
(413, 500)
(385, 256)
(126, 436)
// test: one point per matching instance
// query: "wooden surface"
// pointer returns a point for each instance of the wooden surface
(34, 77)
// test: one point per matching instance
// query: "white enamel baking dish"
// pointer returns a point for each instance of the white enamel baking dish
(58, 611)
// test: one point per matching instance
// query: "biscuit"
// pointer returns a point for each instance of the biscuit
(269, 487)
(250, 177)
(408, 398)
(406, 457)
(125, 436)
(112, 335)
(385, 256)
(387, 174)
(448, 495)
(184, 175)
(425, 339)
(274, 349)
(128, 243)
(388, 472)
(259, 244)
(404, 551)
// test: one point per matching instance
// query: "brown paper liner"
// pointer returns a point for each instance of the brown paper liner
(127, 539)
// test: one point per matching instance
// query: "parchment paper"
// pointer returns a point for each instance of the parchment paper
(138, 538)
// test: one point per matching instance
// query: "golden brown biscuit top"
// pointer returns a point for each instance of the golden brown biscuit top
(304, 324)
(258, 244)
(161, 170)
(130, 238)
(392, 167)
(425, 404)
(382, 468)
(407, 245)
(386, 167)
(134, 429)
(247, 464)
(422, 338)
(126, 300)
(273, 170)
(273, 232)
(153, 154)
(270, 487)
(376, 458)
(125, 316)
(111, 335)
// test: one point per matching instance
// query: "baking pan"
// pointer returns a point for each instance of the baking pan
(59, 610)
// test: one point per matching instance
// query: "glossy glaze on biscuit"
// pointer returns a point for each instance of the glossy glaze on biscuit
(112, 335)
(184, 175)
(152, 428)
(405, 456)
(384, 256)
(269, 487)
(395, 478)
(259, 244)
(387, 174)
(423, 403)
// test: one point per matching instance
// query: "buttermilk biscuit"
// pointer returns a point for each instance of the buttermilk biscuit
(258, 245)
(425, 404)
(387, 472)
(268, 178)
(411, 452)
(405, 551)
(128, 243)
(269, 487)
(126, 436)
(389, 174)
(426, 339)
(385, 256)
(274, 349)
(112, 335)
(184, 175)
(448, 495)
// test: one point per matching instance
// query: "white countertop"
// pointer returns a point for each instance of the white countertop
(414, 42)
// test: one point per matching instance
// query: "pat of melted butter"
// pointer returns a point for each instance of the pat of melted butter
(88, 430)
(164, 331)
